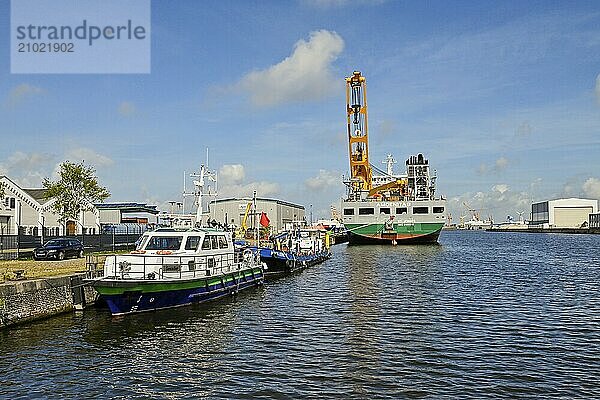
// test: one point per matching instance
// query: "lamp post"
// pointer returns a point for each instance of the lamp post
(42, 223)
(18, 211)
(311, 220)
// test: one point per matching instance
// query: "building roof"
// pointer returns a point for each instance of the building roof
(38, 195)
(282, 202)
(128, 207)
(569, 200)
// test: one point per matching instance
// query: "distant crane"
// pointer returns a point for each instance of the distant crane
(474, 213)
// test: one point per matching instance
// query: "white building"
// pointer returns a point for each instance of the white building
(28, 211)
(563, 213)
(233, 211)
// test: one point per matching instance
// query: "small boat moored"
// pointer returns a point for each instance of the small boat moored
(295, 250)
(172, 267)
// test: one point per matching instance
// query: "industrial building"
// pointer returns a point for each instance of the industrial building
(562, 213)
(234, 210)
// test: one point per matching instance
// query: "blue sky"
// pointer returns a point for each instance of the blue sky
(502, 97)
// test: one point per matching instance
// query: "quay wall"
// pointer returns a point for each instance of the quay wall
(27, 300)
(548, 230)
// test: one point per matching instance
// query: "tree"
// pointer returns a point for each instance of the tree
(75, 191)
(2, 190)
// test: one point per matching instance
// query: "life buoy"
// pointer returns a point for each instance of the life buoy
(138, 252)
(247, 256)
(164, 252)
(389, 224)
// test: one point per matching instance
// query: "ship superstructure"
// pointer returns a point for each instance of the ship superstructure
(386, 208)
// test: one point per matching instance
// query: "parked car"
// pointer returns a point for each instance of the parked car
(58, 249)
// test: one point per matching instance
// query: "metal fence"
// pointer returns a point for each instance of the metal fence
(13, 247)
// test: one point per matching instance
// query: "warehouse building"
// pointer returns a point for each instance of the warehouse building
(234, 210)
(563, 213)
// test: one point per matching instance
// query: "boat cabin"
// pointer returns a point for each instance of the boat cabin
(169, 253)
(165, 241)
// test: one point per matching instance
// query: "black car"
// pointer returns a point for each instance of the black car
(59, 249)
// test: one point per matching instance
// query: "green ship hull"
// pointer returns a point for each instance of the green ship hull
(400, 234)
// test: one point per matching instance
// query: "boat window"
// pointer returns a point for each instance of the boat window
(192, 242)
(385, 210)
(222, 242)
(420, 210)
(164, 243)
(401, 210)
(215, 243)
(139, 244)
(438, 210)
(206, 243)
(348, 211)
(366, 211)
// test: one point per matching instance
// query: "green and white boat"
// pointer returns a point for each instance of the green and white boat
(174, 267)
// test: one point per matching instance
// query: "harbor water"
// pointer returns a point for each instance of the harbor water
(480, 315)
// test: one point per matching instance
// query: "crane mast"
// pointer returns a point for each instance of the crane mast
(358, 138)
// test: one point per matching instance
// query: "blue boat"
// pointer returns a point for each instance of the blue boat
(292, 251)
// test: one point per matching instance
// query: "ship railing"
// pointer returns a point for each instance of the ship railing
(153, 267)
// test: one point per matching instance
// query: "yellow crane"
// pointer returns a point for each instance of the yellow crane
(358, 137)
(241, 231)
(361, 174)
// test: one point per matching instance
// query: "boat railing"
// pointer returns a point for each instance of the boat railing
(153, 267)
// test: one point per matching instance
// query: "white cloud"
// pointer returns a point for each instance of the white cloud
(591, 188)
(500, 188)
(303, 76)
(29, 169)
(232, 174)
(231, 183)
(323, 180)
(89, 156)
(21, 93)
(126, 109)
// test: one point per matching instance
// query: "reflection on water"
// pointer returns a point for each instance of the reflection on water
(481, 315)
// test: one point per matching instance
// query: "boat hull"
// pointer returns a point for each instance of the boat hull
(283, 262)
(376, 234)
(133, 296)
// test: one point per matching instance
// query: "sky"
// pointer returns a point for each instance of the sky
(503, 98)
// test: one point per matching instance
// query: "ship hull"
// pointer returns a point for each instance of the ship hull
(134, 296)
(377, 234)
(282, 262)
